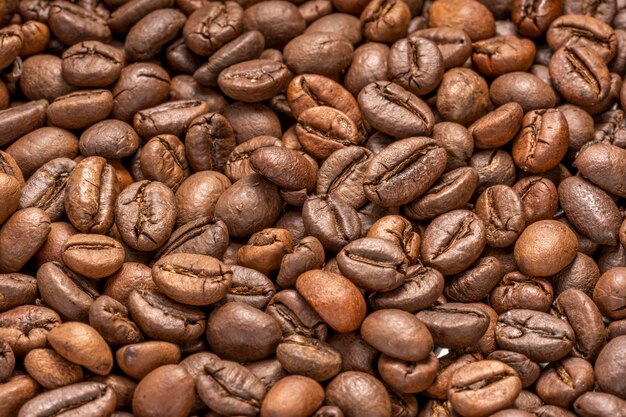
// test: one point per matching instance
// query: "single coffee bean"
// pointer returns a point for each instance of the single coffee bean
(501, 210)
(601, 163)
(82, 344)
(251, 204)
(518, 291)
(130, 276)
(163, 159)
(455, 325)
(408, 377)
(453, 241)
(204, 236)
(452, 190)
(93, 398)
(140, 86)
(172, 117)
(416, 64)
(323, 130)
(110, 318)
(255, 80)
(472, 384)
(608, 293)
(41, 78)
(92, 64)
(533, 17)
(331, 220)
(185, 87)
(7, 361)
(474, 284)
(564, 381)
(323, 53)
(295, 316)
(497, 127)
(403, 171)
(50, 369)
(393, 110)
(45, 189)
(309, 357)
(225, 386)
(585, 31)
(80, 109)
(524, 88)
(93, 256)
(12, 43)
(168, 389)
(527, 370)
(284, 167)
(17, 121)
(596, 404)
(145, 214)
(363, 259)
(609, 369)
(502, 54)
(17, 289)
(251, 287)
(213, 25)
(397, 334)
(240, 332)
(398, 230)
(138, 360)
(129, 13)
(359, 394)
(293, 396)
(90, 195)
(265, 250)
(163, 319)
(463, 96)
(539, 198)
(21, 236)
(337, 300)
(192, 279)
(369, 64)
(72, 24)
(385, 20)
(341, 175)
(146, 38)
(69, 293)
(26, 327)
(539, 336)
(544, 248)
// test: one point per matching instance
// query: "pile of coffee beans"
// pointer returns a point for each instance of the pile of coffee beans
(328, 208)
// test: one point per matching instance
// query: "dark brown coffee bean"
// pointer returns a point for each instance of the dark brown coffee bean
(12, 43)
(163, 319)
(582, 274)
(264, 18)
(497, 127)
(323, 130)
(359, 394)
(464, 15)
(472, 384)
(344, 24)
(295, 316)
(544, 248)
(596, 404)
(313, 10)
(252, 119)
(580, 75)
(463, 96)
(72, 24)
(45, 189)
(385, 20)
(323, 53)
(145, 215)
(601, 163)
(90, 195)
(7, 361)
(294, 396)
(169, 389)
(140, 86)
(110, 318)
(251, 204)
(309, 357)
(248, 46)
(494, 167)
(265, 250)
(527, 370)
(453, 241)
(17, 391)
(148, 35)
(185, 87)
(454, 44)
(286, 168)
(501, 210)
(416, 64)
(474, 284)
(163, 159)
(585, 31)
(50, 369)
(399, 231)
(138, 360)
(238, 331)
(255, 80)
(129, 13)
(539, 336)
(539, 198)
(17, 289)
(590, 210)
(209, 141)
(17, 121)
(21, 236)
(608, 293)
(341, 175)
(455, 325)
(533, 17)
(109, 139)
(502, 54)
(41, 78)
(92, 64)
(307, 254)
(93, 256)
(203, 236)
(94, 398)
(26, 327)
(518, 291)
(173, 118)
(330, 220)
(524, 88)
(394, 110)
(369, 64)
(212, 26)
(608, 370)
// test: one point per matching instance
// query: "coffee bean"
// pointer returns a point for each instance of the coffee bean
(463, 96)
(254, 80)
(323, 130)
(140, 86)
(138, 360)
(110, 318)
(503, 54)
(204, 236)
(168, 389)
(526, 89)
(592, 404)
(527, 370)
(599, 163)
(280, 400)
(19, 289)
(370, 399)
(609, 371)
(19, 120)
(72, 24)
(565, 381)
(83, 345)
(416, 64)
(50, 369)
(21, 236)
(309, 357)
(385, 20)
(455, 325)
(211, 26)
(518, 291)
(321, 53)
(608, 293)
(148, 35)
(581, 30)
(90, 397)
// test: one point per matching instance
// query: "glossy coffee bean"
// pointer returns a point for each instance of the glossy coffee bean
(280, 400)
(83, 345)
(50, 369)
(359, 394)
(110, 318)
(93, 398)
(455, 325)
(168, 389)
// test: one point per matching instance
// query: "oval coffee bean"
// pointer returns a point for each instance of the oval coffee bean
(501, 210)
(82, 344)
(93, 256)
(601, 163)
(323, 130)
(168, 389)
(455, 325)
(92, 398)
(255, 80)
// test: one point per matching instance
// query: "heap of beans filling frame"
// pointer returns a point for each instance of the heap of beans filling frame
(328, 208)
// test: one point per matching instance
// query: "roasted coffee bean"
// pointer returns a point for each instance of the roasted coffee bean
(453, 241)
(501, 210)
(251, 204)
(295, 316)
(173, 118)
(474, 284)
(472, 384)
(255, 80)
(286, 168)
(148, 35)
(373, 264)
(385, 20)
(90, 195)
(80, 109)
(92, 64)
(293, 395)
(7, 361)
(518, 291)
(403, 171)
(463, 96)
(109, 139)
(140, 86)
(539, 336)
(131, 276)
(45, 189)
(145, 215)
(168, 389)
(416, 64)
(524, 88)
(252, 119)
(225, 386)
(72, 24)
(455, 325)
(393, 110)
(544, 248)
(608, 369)
(17, 121)
(204, 236)
(527, 370)
(369, 64)
(341, 175)
(331, 220)
(323, 130)
(596, 404)
(323, 53)
(585, 31)
(163, 319)
(240, 332)
(213, 25)
(307, 254)
(497, 127)
(185, 87)
(608, 293)
(309, 357)
(50, 369)
(539, 198)
(565, 381)
(163, 159)
(533, 17)
(93, 398)
(359, 394)
(138, 360)
(502, 54)
(110, 318)
(17, 289)
(191, 278)
(21, 236)
(82, 344)
(93, 256)
(601, 163)
(41, 78)
(251, 287)
(26, 327)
